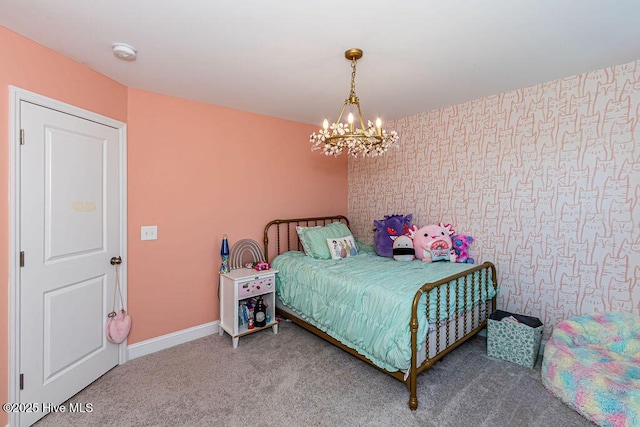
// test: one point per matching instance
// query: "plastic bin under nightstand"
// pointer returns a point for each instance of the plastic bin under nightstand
(514, 342)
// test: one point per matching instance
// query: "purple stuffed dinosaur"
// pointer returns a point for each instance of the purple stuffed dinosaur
(388, 228)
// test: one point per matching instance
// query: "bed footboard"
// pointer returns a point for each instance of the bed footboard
(447, 334)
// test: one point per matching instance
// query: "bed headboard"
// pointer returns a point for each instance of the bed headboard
(280, 234)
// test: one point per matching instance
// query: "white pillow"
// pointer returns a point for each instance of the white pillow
(342, 247)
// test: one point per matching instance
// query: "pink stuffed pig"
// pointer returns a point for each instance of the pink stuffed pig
(433, 243)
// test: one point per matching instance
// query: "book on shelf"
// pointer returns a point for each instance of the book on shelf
(245, 311)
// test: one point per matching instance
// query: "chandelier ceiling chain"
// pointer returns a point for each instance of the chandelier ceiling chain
(369, 141)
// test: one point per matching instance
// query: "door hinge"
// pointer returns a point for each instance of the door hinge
(21, 381)
(21, 136)
(21, 258)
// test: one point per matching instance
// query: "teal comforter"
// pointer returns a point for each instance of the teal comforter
(365, 301)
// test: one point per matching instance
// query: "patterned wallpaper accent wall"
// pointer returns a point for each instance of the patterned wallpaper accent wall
(546, 178)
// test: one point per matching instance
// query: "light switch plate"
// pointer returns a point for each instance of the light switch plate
(149, 232)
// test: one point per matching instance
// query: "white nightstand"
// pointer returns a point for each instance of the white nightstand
(238, 286)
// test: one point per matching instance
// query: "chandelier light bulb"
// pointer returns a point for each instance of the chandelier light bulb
(369, 141)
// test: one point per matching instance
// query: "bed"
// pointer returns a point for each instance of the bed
(400, 317)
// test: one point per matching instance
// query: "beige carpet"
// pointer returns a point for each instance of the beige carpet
(296, 379)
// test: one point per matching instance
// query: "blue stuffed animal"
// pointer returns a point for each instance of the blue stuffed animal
(461, 243)
(387, 229)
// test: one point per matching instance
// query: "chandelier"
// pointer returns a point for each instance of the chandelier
(369, 141)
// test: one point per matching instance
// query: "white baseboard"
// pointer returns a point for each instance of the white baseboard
(169, 340)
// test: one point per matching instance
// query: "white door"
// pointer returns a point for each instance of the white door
(69, 230)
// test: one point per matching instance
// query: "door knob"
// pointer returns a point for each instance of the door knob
(116, 260)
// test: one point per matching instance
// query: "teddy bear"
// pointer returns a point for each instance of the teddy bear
(433, 242)
(461, 243)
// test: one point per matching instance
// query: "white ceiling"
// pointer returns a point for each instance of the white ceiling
(285, 58)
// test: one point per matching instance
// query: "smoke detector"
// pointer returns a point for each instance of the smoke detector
(124, 51)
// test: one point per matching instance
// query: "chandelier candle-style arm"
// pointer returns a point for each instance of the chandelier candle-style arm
(366, 141)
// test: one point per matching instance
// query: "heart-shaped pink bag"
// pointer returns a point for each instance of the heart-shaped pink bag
(118, 327)
(118, 324)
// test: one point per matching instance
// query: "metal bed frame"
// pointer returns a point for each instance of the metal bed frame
(280, 236)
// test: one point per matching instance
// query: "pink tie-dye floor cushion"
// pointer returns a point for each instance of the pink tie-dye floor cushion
(592, 363)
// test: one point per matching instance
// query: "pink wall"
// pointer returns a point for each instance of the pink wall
(30, 66)
(195, 170)
(198, 171)
(546, 178)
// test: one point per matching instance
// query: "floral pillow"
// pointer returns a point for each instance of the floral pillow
(342, 247)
